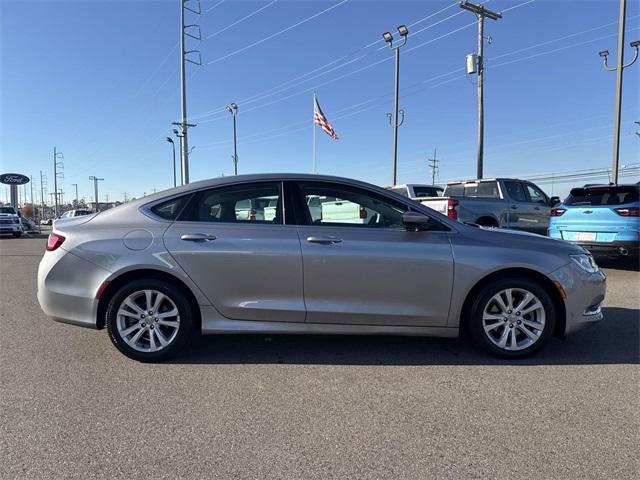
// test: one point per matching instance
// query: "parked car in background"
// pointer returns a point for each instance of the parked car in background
(500, 202)
(75, 213)
(602, 218)
(416, 191)
(10, 221)
(154, 269)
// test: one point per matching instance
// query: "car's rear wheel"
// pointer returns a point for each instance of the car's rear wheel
(512, 317)
(149, 320)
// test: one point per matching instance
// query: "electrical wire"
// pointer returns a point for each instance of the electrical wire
(241, 20)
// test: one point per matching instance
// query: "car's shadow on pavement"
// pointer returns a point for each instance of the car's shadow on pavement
(630, 264)
(615, 340)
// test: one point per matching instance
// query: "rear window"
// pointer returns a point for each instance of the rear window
(9, 210)
(480, 189)
(596, 196)
(427, 192)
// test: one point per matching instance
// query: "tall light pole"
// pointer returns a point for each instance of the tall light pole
(232, 108)
(480, 13)
(393, 119)
(57, 166)
(95, 189)
(619, 68)
(173, 145)
(76, 185)
(178, 135)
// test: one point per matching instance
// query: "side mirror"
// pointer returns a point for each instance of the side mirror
(415, 221)
(553, 201)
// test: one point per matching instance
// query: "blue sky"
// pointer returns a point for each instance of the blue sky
(100, 81)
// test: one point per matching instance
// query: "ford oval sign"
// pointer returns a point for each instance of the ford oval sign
(13, 179)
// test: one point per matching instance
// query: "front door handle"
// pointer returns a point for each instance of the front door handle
(536, 208)
(514, 207)
(325, 240)
(197, 237)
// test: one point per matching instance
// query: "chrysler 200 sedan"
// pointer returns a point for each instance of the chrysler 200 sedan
(154, 270)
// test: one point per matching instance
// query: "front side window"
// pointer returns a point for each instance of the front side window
(536, 195)
(340, 205)
(246, 203)
(515, 191)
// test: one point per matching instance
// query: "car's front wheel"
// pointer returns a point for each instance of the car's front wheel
(512, 317)
(17, 234)
(149, 320)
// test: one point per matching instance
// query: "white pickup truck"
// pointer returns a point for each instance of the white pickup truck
(430, 195)
(10, 221)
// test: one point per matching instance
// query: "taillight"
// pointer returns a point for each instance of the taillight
(452, 203)
(628, 212)
(557, 212)
(54, 241)
(363, 213)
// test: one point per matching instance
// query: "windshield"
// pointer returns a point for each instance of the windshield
(602, 196)
(7, 210)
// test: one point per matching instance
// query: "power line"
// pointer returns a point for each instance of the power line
(214, 6)
(273, 35)
(241, 20)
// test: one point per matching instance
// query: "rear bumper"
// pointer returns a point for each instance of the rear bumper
(613, 248)
(584, 292)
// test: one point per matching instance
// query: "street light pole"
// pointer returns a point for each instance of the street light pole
(233, 110)
(619, 68)
(95, 189)
(393, 119)
(173, 146)
(76, 185)
(480, 13)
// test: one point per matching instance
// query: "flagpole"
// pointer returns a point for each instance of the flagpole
(313, 125)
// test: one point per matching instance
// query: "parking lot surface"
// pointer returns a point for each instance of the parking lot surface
(307, 407)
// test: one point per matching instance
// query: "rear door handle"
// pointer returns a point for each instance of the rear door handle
(514, 207)
(326, 240)
(197, 237)
(536, 208)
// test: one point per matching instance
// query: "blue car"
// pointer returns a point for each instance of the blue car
(602, 218)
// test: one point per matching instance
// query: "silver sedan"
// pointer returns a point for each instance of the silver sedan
(308, 254)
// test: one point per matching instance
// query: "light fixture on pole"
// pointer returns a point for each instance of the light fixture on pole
(173, 145)
(393, 118)
(232, 108)
(619, 68)
(179, 135)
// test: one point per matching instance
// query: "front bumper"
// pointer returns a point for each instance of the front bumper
(67, 287)
(584, 294)
(10, 228)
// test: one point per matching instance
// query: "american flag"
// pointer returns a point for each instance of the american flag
(320, 119)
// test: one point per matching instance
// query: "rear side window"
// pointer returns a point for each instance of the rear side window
(246, 203)
(479, 190)
(515, 191)
(170, 209)
(598, 196)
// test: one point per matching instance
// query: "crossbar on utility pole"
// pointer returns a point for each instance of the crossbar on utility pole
(480, 13)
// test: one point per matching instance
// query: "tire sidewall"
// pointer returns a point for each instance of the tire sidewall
(483, 297)
(184, 310)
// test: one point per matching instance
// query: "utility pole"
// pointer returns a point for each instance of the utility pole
(76, 185)
(433, 165)
(95, 189)
(184, 126)
(57, 164)
(619, 68)
(480, 13)
(233, 110)
(173, 147)
(42, 199)
(393, 119)
(125, 197)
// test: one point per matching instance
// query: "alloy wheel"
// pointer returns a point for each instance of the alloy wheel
(514, 319)
(148, 320)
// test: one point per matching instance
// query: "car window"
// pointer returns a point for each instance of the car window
(515, 191)
(246, 203)
(607, 195)
(536, 195)
(479, 190)
(427, 192)
(401, 190)
(170, 209)
(340, 205)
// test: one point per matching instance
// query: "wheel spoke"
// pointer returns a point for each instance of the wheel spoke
(491, 316)
(169, 323)
(493, 326)
(172, 313)
(132, 328)
(514, 341)
(524, 302)
(528, 332)
(502, 342)
(161, 338)
(135, 338)
(125, 313)
(532, 308)
(159, 298)
(509, 294)
(500, 301)
(148, 295)
(152, 341)
(132, 305)
(536, 325)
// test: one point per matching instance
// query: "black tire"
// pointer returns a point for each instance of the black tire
(483, 297)
(185, 328)
(17, 234)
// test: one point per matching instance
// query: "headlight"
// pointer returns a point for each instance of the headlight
(585, 262)
(15, 220)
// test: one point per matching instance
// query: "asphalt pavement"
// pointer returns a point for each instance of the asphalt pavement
(313, 407)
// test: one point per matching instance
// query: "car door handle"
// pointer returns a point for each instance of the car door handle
(197, 237)
(514, 207)
(324, 240)
(536, 208)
